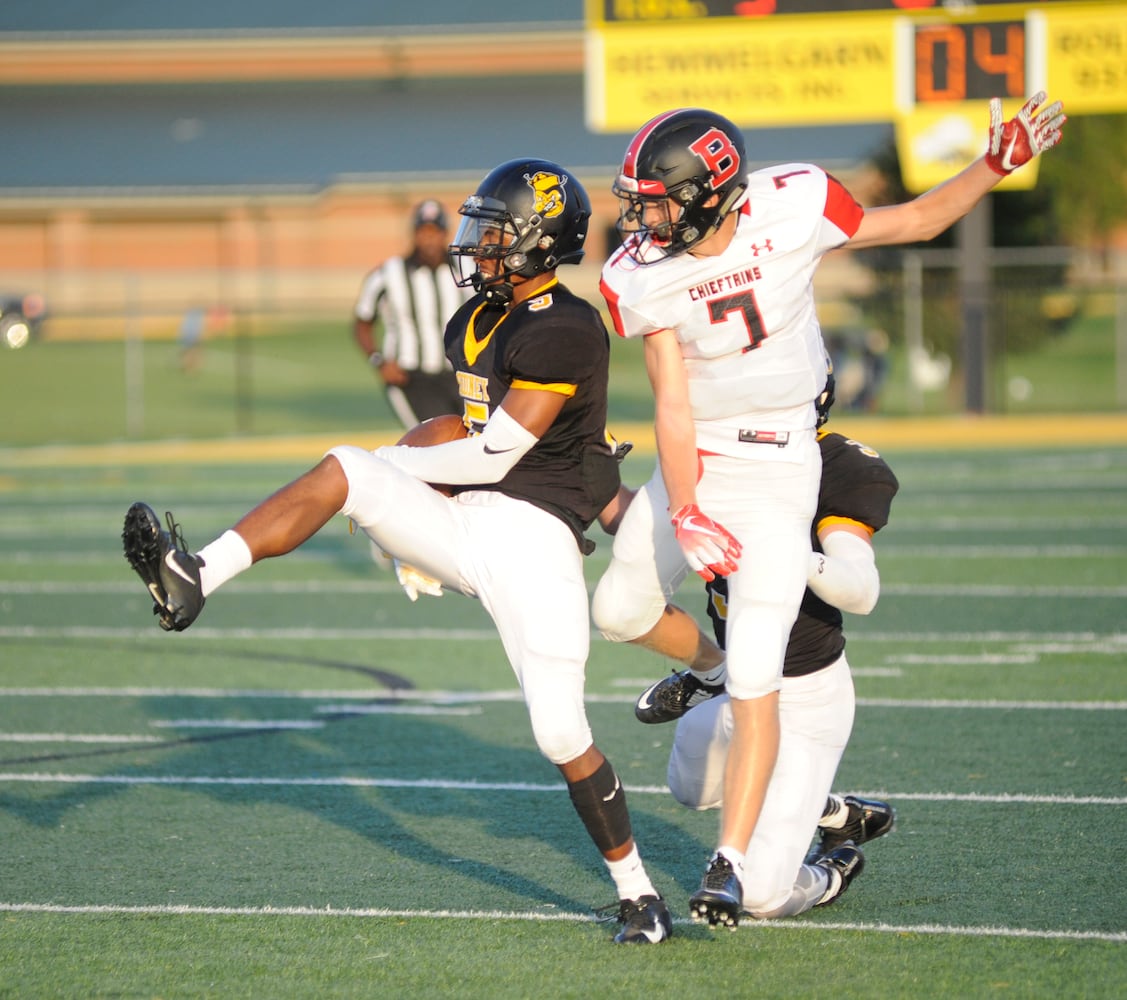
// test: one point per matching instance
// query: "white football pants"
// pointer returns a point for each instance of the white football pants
(767, 501)
(815, 720)
(521, 562)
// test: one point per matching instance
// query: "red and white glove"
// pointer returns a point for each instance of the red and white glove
(710, 549)
(1024, 136)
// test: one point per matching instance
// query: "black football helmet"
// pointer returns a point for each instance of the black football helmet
(529, 216)
(693, 157)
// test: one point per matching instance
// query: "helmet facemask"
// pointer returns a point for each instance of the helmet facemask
(535, 221)
(647, 225)
(485, 250)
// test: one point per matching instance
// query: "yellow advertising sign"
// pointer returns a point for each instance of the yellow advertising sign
(936, 141)
(857, 65)
(760, 73)
(1086, 57)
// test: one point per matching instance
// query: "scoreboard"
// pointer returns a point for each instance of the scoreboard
(928, 66)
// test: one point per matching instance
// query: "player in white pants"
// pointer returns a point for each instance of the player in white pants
(816, 701)
(531, 361)
(716, 274)
(815, 719)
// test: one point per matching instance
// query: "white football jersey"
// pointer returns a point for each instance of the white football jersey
(745, 319)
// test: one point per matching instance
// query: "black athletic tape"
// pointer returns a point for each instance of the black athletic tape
(600, 801)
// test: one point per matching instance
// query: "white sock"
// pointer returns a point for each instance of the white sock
(223, 559)
(712, 677)
(630, 878)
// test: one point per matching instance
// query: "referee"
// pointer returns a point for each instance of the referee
(412, 298)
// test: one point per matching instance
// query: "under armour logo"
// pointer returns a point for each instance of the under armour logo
(766, 248)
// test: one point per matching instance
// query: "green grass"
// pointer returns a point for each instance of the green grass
(1072, 372)
(302, 379)
(284, 833)
(307, 378)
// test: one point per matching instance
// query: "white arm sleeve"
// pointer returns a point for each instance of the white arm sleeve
(845, 575)
(483, 458)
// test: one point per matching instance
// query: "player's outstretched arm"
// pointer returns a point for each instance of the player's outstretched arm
(1012, 144)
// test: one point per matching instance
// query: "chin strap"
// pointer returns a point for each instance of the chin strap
(496, 291)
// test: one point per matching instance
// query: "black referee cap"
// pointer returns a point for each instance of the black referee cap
(430, 213)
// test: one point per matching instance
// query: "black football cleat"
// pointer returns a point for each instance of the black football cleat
(672, 696)
(868, 819)
(645, 920)
(719, 899)
(844, 863)
(160, 559)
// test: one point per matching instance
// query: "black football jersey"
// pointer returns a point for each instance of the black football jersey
(557, 341)
(857, 485)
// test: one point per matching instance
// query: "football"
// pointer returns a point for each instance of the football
(436, 430)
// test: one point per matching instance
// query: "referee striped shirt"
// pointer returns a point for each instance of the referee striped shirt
(413, 303)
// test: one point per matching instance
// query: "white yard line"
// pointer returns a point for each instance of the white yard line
(329, 912)
(1095, 641)
(445, 784)
(383, 700)
(65, 588)
(78, 738)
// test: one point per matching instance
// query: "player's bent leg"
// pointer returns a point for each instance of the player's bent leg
(700, 751)
(404, 516)
(645, 569)
(810, 887)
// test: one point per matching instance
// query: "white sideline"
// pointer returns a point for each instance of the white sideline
(1110, 642)
(384, 697)
(64, 588)
(328, 911)
(447, 784)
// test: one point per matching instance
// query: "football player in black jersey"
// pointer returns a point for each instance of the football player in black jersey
(535, 470)
(816, 700)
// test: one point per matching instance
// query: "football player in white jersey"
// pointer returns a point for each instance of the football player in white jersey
(716, 273)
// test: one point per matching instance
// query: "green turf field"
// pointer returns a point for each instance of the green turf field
(323, 790)
(306, 377)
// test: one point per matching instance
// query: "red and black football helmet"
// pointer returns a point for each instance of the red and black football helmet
(693, 157)
(528, 215)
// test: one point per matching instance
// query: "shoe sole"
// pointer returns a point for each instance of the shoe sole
(140, 538)
(715, 910)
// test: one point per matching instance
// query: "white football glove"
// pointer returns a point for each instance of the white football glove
(414, 582)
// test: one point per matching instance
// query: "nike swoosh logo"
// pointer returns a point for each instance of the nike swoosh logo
(614, 791)
(1007, 160)
(172, 564)
(693, 524)
(654, 935)
(496, 451)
